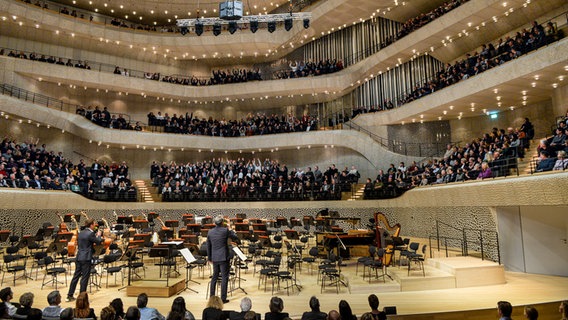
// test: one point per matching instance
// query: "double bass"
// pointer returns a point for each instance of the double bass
(394, 232)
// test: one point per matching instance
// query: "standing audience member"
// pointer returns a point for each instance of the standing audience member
(374, 304)
(214, 309)
(315, 313)
(345, 311)
(531, 313)
(83, 307)
(53, 309)
(276, 306)
(178, 307)
(145, 312)
(504, 308)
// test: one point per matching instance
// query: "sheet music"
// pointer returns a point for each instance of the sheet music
(175, 243)
(189, 258)
(240, 254)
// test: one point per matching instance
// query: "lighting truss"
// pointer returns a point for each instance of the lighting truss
(245, 19)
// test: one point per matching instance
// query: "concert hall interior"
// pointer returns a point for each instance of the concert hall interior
(344, 132)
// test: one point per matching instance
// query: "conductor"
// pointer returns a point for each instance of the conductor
(85, 240)
(218, 254)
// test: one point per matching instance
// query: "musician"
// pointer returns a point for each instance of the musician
(218, 253)
(86, 239)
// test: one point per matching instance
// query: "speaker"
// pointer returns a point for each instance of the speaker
(217, 29)
(198, 29)
(254, 26)
(306, 23)
(288, 24)
(232, 27)
(271, 26)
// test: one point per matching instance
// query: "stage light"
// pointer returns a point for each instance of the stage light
(198, 29)
(254, 26)
(183, 31)
(217, 29)
(288, 24)
(306, 23)
(232, 27)
(271, 26)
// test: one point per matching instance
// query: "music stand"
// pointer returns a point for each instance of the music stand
(189, 259)
(238, 265)
(166, 234)
(129, 255)
(241, 215)
(295, 222)
(244, 235)
(194, 228)
(140, 224)
(341, 245)
(206, 220)
(55, 247)
(152, 216)
(145, 237)
(124, 220)
(4, 235)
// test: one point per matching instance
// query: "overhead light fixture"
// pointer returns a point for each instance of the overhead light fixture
(306, 23)
(232, 27)
(254, 26)
(288, 24)
(198, 29)
(216, 29)
(271, 26)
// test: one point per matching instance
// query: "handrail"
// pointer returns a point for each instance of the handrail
(47, 101)
(466, 242)
(422, 149)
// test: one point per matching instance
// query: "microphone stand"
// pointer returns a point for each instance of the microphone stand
(339, 261)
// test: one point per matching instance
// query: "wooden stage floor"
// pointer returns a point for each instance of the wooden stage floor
(519, 289)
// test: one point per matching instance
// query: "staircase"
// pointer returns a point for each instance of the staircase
(146, 191)
(357, 194)
(530, 153)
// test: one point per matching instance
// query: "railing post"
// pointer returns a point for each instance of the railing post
(465, 251)
(438, 235)
(498, 248)
(446, 245)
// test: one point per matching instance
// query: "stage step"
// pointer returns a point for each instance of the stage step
(470, 271)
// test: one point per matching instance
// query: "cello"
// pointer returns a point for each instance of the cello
(394, 230)
(72, 245)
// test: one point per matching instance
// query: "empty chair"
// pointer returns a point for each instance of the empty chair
(417, 258)
(110, 267)
(53, 272)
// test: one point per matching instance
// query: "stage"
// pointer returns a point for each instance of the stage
(449, 284)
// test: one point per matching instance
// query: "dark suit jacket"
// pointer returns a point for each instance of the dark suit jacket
(217, 247)
(275, 315)
(85, 242)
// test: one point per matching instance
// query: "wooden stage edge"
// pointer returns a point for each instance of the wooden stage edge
(155, 288)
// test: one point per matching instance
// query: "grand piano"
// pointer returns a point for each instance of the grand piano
(357, 242)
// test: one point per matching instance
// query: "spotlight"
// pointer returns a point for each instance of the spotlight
(217, 29)
(254, 26)
(271, 26)
(288, 24)
(199, 29)
(306, 23)
(232, 27)
(183, 31)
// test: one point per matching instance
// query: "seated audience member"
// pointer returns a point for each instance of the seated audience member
(333, 315)
(26, 302)
(132, 313)
(485, 172)
(53, 309)
(145, 312)
(108, 313)
(35, 314)
(315, 313)
(374, 304)
(345, 311)
(66, 314)
(276, 306)
(504, 309)
(251, 315)
(178, 306)
(367, 316)
(6, 295)
(246, 305)
(561, 161)
(563, 309)
(4, 311)
(531, 313)
(214, 309)
(83, 308)
(118, 307)
(546, 163)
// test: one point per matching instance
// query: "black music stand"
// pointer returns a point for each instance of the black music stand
(64, 237)
(241, 215)
(189, 259)
(4, 235)
(206, 220)
(129, 255)
(341, 245)
(242, 259)
(194, 228)
(140, 224)
(145, 237)
(164, 254)
(124, 220)
(152, 216)
(166, 234)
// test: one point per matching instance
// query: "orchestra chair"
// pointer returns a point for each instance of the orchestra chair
(110, 268)
(374, 263)
(199, 263)
(288, 276)
(331, 273)
(53, 271)
(418, 259)
(277, 243)
(14, 263)
(203, 257)
(311, 259)
(269, 271)
(411, 249)
(38, 261)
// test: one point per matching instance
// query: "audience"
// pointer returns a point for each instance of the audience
(374, 304)
(333, 315)
(147, 313)
(179, 310)
(315, 312)
(246, 306)
(214, 309)
(504, 309)
(300, 69)
(26, 302)
(345, 311)
(118, 307)
(66, 314)
(6, 294)
(53, 309)
(82, 307)
(531, 313)
(132, 313)
(276, 307)
(108, 313)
